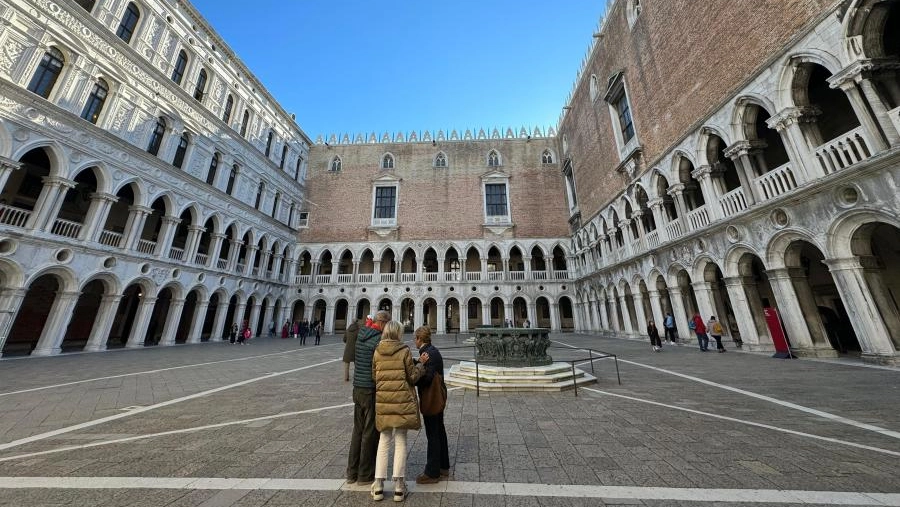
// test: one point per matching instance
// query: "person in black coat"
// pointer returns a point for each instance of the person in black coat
(437, 461)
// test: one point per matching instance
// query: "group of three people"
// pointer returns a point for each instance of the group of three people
(385, 376)
(703, 331)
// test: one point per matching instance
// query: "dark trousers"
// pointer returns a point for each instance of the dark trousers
(671, 334)
(703, 340)
(438, 456)
(364, 440)
(718, 340)
(655, 341)
(318, 337)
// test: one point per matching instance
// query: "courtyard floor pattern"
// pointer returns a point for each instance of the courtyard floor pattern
(268, 424)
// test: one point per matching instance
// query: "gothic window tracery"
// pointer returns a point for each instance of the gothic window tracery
(547, 157)
(335, 164)
(440, 160)
(387, 162)
(493, 159)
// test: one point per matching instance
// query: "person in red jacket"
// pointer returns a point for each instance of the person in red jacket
(700, 330)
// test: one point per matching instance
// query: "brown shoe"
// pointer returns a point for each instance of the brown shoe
(445, 472)
(424, 479)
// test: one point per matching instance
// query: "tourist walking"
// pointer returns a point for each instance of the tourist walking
(669, 328)
(245, 334)
(285, 329)
(653, 333)
(716, 331)
(699, 329)
(396, 409)
(304, 331)
(364, 439)
(318, 332)
(350, 346)
(437, 461)
(233, 334)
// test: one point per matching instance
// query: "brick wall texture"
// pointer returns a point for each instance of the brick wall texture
(434, 203)
(681, 60)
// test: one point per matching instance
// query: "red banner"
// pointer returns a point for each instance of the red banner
(782, 347)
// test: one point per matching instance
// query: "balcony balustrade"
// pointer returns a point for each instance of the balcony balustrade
(733, 202)
(146, 246)
(16, 217)
(365, 277)
(110, 238)
(777, 182)
(176, 254)
(843, 151)
(698, 218)
(66, 228)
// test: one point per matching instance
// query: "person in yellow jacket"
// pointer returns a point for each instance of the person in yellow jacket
(396, 406)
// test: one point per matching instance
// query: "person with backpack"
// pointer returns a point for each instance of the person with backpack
(716, 331)
(696, 325)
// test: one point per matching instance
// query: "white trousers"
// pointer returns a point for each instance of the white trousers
(396, 436)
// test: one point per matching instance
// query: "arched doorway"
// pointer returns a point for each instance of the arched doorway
(520, 312)
(318, 314)
(363, 308)
(207, 331)
(452, 315)
(877, 244)
(157, 322)
(84, 316)
(126, 313)
(473, 313)
(341, 317)
(298, 312)
(429, 314)
(566, 314)
(542, 308)
(28, 326)
(498, 312)
(407, 314)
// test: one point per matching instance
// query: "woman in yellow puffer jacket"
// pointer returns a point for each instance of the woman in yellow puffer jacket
(396, 406)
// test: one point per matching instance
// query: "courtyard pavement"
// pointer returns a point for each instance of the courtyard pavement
(269, 423)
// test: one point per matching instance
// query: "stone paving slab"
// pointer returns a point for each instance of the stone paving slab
(610, 435)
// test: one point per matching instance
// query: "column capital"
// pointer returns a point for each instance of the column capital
(739, 281)
(103, 196)
(137, 208)
(218, 235)
(111, 298)
(702, 172)
(792, 116)
(170, 220)
(675, 189)
(844, 264)
(9, 164)
(197, 228)
(744, 147)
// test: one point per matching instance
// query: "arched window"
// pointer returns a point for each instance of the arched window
(284, 154)
(156, 139)
(200, 90)
(335, 164)
(232, 177)
(493, 159)
(440, 160)
(275, 204)
(95, 101)
(290, 221)
(213, 166)
(129, 22)
(180, 66)
(259, 193)
(183, 143)
(387, 162)
(595, 87)
(297, 170)
(269, 142)
(47, 73)
(229, 105)
(244, 121)
(547, 157)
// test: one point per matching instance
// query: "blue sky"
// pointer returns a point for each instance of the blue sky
(349, 66)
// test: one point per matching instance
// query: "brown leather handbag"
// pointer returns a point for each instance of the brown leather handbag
(433, 398)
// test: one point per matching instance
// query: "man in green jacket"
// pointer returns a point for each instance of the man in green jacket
(364, 441)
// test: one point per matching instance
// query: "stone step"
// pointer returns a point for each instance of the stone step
(519, 386)
(487, 377)
(525, 371)
(555, 377)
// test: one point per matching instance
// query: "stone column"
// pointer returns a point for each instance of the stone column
(739, 153)
(748, 312)
(800, 151)
(532, 313)
(252, 252)
(441, 316)
(656, 307)
(790, 309)
(554, 317)
(614, 323)
(878, 108)
(680, 315)
(239, 314)
(215, 250)
(218, 329)
(46, 206)
(639, 314)
(139, 328)
(254, 317)
(234, 255)
(166, 233)
(134, 226)
(485, 311)
(264, 256)
(625, 227)
(106, 314)
(173, 317)
(96, 216)
(196, 329)
(626, 316)
(192, 245)
(508, 312)
(329, 319)
(711, 194)
(55, 327)
(676, 191)
(862, 307)
(10, 302)
(869, 124)
(703, 293)
(604, 317)
(7, 166)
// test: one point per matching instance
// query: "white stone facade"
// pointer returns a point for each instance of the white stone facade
(728, 222)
